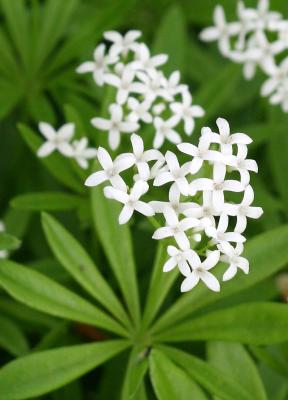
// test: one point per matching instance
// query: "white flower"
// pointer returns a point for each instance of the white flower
(144, 61)
(232, 257)
(164, 130)
(201, 272)
(242, 165)
(180, 258)
(174, 202)
(124, 83)
(131, 201)
(100, 65)
(172, 84)
(3, 253)
(244, 210)
(205, 212)
(281, 96)
(122, 44)
(199, 153)
(224, 138)
(261, 17)
(140, 158)
(139, 111)
(219, 234)
(150, 86)
(111, 170)
(115, 125)
(175, 228)
(56, 140)
(275, 78)
(82, 153)
(222, 31)
(175, 174)
(186, 111)
(217, 186)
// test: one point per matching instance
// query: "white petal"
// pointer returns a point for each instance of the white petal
(47, 130)
(66, 131)
(254, 212)
(96, 178)
(170, 264)
(162, 233)
(137, 144)
(211, 260)
(66, 149)
(144, 208)
(101, 123)
(241, 223)
(223, 126)
(87, 66)
(190, 282)
(46, 149)
(163, 178)
(230, 273)
(210, 281)
(188, 148)
(104, 158)
(114, 139)
(125, 214)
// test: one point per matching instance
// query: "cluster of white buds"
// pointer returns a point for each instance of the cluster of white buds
(60, 141)
(143, 94)
(3, 253)
(258, 38)
(198, 215)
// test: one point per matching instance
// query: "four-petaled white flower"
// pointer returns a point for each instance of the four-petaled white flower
(164, 130)
(139, 110)
(220, 235)
(56, 140)
(122, 44)
(82, 153)
(233, 257)
(144, 61)
(200, 271)
(131, 201)
(111, 170)
(100, 65)
(115, 125)
(179, 258)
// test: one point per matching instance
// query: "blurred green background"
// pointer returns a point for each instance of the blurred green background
(42, 43)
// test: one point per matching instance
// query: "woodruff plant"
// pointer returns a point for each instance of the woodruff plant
(203, 233)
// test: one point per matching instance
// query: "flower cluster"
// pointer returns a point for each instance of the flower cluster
(3, 253)
(199, 212)
(143, 95)
(60, 140)
(258, 38)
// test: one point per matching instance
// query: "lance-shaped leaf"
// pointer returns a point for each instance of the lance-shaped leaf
(266, 256)
(171, 382)
(8, 242)
(47, 201)
(40, 373)
(78, 263)
(56, 164)
(135, 373)
(12, 338)
(39, 292)
(116, 241)
(208, 376)
(235, 362)
(254, 323)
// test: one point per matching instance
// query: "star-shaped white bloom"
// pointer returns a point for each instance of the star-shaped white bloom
(175, 174)
(145, 62)
(56, 140)
(222, 31)
(200, 153)
(220, 235)
(172, 84)
(175, 228)
(201, 272)
(244, 210)
(174, 202)
(111, 170)
(124, 83)
(100, 65)
(203, 212)
(281, 95)
(275, 78)
(150, 86)
(121, 44)
(164, 130)
(232, 256)
(140, 111)
(224, 138)
(131, 201)
(82, 153)
(242, 165)
(217, 186)
(140, 158)
(187, 112)
(115, 125)
(261, 17)
(179, 258)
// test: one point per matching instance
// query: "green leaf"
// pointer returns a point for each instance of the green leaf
(235, 362)
(50, 201)
(135, 373)
(159, 286)
(208, 376)
(266, 256)
(43, 294)
(56, 164)
(116, 242)
(172, 41)
(171, 382)
(40, 373)
(12, 338)
(273, 359)
(9, 242)
(255, 323)
(78, 263)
